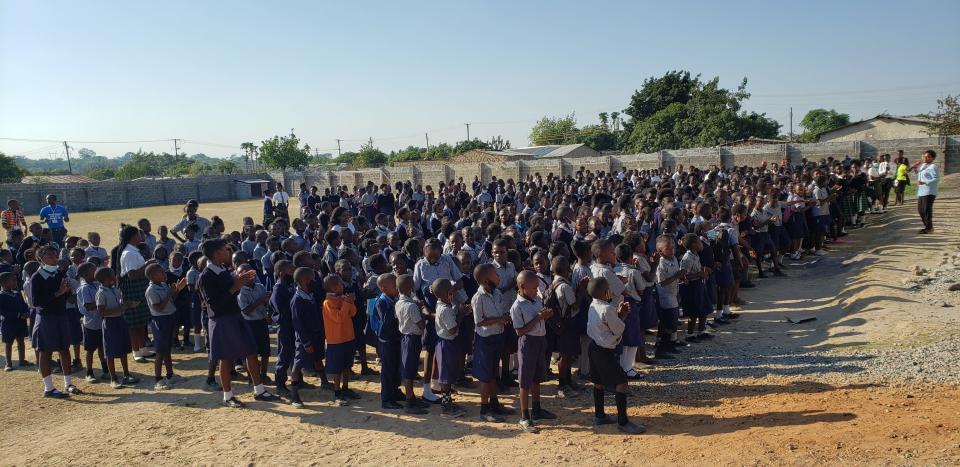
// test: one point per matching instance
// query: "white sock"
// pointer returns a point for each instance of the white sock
(627, 357)
(259, 389)
(513, 361)
(718, 314)
(227, 395)
(137, 354)
(428, 393)
(48, 383)
(67, 380)
(197, 342)
(726, 309)
(435, 385)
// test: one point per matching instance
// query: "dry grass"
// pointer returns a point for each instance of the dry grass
(107, 223)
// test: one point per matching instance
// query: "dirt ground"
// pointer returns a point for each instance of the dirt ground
(742, 399)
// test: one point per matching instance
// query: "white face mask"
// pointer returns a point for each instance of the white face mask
(51, 269)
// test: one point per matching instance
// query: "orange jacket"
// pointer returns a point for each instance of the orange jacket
(338, 319)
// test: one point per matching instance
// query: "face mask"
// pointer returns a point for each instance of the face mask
(51, 269)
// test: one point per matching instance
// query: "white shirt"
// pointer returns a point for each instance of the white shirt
(130, 260)
(616, 284)
(281, 197)
(524, 311)
(604, 325)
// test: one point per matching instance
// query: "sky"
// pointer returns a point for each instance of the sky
(219, 73)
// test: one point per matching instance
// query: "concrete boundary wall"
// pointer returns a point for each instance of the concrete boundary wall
(433, 172)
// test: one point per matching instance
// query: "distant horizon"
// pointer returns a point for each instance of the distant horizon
(216, 75)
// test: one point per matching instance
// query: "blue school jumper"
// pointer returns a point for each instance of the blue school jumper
(307, 328)
(283, 293)
(389, 338)
(13, 313)
(229, 334)
(51, 328)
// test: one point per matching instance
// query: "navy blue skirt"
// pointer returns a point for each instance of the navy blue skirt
(632, 331)
(13, 329)
(116, 337)
(648, 310)
(230, 338)
(51, 333)
(724, 275)
(797, 226)
(76, 326)
(339, 357)
(261, 336)
(92, 339)
(692, 298)
(486, 353)
(163, 329)
(669, 318)
(448, 361)
(410, 347)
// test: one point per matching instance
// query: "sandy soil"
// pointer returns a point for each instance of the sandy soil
(732, 402)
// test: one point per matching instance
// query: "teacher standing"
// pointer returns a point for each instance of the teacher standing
(928, 180)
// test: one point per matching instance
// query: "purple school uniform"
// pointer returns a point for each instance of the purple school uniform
(229, 335)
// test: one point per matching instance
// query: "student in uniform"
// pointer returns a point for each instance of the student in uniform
(669, 274)
(49, 288)
(605, 328)
(253, 299)
(507, 272)
(561, 297)
(197, 316)
(411, 324)
(13, 319)
(627, 270)
(693, 293)
(579, 278)
(448, 353)
(338, 312)
(175, 272)
(116, 333)
(92, 321)
(387, 329)
(283, 292)
(163, 321)
(528, 317)
(489, 319)
(230, 337)
(307, 326)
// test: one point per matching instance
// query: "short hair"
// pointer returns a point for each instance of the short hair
(211, 246)
(688, 240)
(85, 267)
(624, 252)
(6, 276)
(598, 288)
(331, 236)
(600, 246)
(405, 282)
(330, 280)
(103, 274)
(931, 153)
(664, 240)
(525, 276)
(152, 269)
(303, 273)
(441, 288)
(383, 279)
(482, 270)
(341, 263)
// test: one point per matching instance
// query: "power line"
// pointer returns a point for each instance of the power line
(59, 141)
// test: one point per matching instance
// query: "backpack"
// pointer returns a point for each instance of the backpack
(376, 324)
(557, 321)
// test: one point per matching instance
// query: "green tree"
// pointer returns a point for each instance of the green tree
(284, 152)
(554, 130)
(819, 121)
(597, 137)
(497, 143)
(10, 172)
(370, 156)
(946, 120)
(465, 146)
(249, 151)
(101, 173)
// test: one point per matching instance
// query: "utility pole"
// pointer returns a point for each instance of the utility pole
(176, 148)
(69, 165)
(791, 124)
(468, 131)
(338, 147)
(428, 139)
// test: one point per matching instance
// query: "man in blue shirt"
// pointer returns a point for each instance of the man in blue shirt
(928, 181)
(55, 215)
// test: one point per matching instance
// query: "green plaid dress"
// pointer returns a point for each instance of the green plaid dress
(135, 290)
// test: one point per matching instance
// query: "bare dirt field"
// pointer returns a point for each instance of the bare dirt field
(872, 381)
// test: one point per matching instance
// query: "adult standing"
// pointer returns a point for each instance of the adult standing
(13, 219)
(928, 180)
(55, 216)
(281, 201)
(190, 217)
(304, 197)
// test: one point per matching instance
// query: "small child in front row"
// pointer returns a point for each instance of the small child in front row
(693, 292)
(92, 321)
(116, 334)
(669, 273)
(529, 316)
(605, 328)
(163, 321)
(308, 331)
(283, 291)
(253, 299)
(338, 313)
(447, 351)
(13, 319)
(412, 325)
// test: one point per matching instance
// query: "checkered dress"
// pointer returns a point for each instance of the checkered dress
(135, 290)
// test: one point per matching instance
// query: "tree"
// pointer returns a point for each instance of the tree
(225, 167)
(597, 137)
(249, 150)
(497, 143)
(10, 172)
(554, 130)
(946, 120)
(85, 153)
(465, 146)
(819, 121)
(370, 156)
(680, 111)
(284, 152)
(101, 173)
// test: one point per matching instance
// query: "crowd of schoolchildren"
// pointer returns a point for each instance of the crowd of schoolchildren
(486, 285)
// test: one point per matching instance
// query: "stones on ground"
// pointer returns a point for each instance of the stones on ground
(918, 270)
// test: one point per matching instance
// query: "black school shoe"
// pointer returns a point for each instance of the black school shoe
(55, 394)
(390, 405)
(631, 428)
(603, 420)
(266, 396)
(233, 403)
(542, 414)
(502, 410)
(350, 394)
(692, 338)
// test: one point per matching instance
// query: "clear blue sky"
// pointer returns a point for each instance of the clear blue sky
(228, 72)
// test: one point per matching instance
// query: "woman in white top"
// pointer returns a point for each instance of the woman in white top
(133, 285)
(281, 199)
